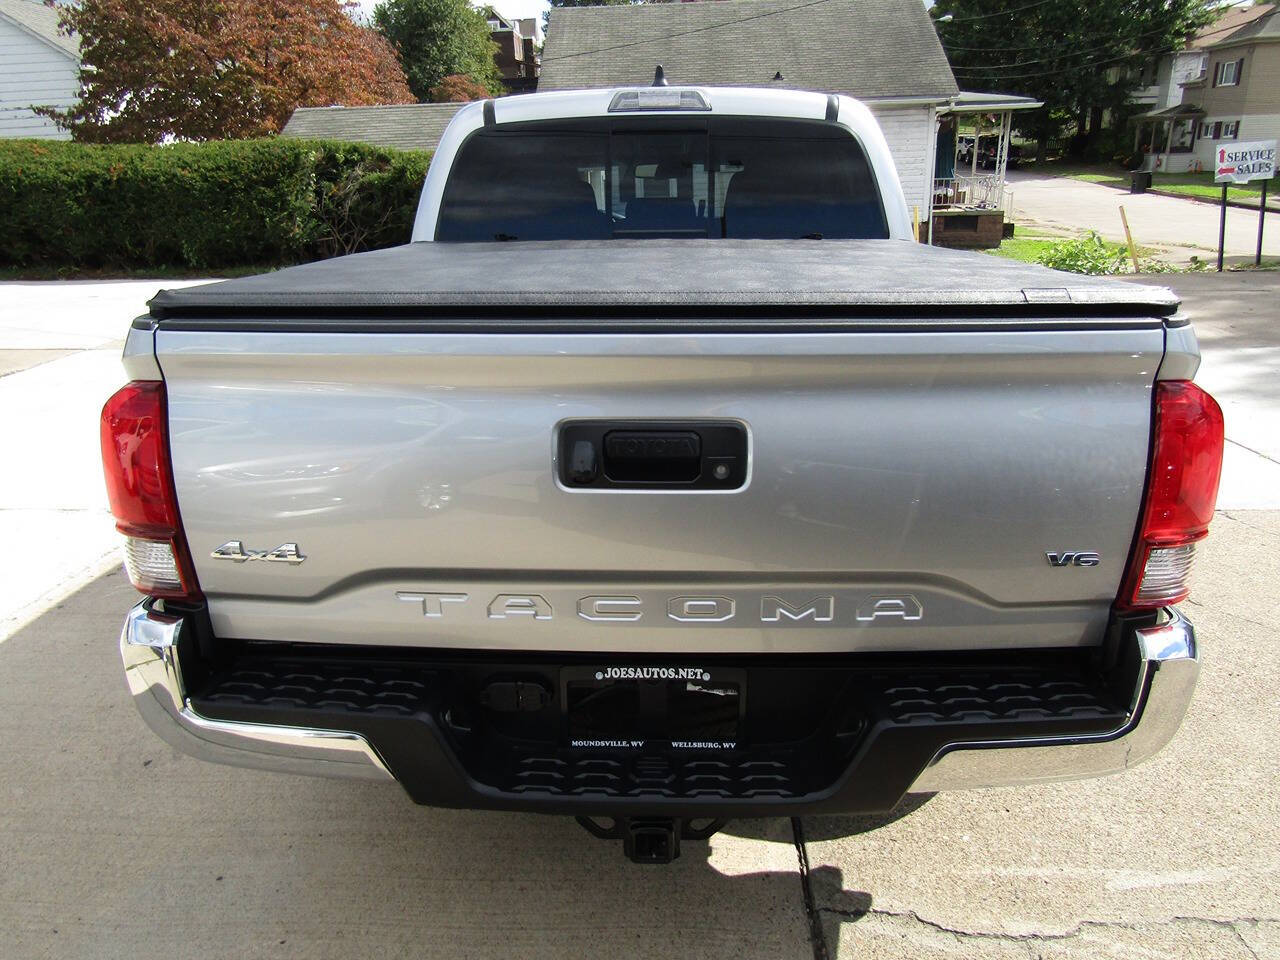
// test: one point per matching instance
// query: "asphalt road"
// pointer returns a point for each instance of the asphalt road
(1184, 226)
(115, 846)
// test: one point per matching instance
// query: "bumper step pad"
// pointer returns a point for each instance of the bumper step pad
(868, 731)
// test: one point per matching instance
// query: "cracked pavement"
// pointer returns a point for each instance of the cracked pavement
(1179, 857)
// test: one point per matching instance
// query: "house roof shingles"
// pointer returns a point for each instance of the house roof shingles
(410, 126)
(870, 49)
(41, 22)
(1226, 28)
(1263, 28)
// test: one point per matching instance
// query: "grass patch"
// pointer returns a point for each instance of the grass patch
(1202, 187)
(1026, 249)
(1086, 253)
(1110, 175)
(1199, 186)
(1090, 176)
(1264, 265)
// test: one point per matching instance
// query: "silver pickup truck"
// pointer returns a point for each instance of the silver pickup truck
(661, 480)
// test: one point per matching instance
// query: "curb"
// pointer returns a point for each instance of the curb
(1239, 204)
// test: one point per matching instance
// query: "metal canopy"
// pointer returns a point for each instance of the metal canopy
(968, 102)
(1175, 112)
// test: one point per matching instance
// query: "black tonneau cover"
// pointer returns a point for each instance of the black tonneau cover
(654, 283)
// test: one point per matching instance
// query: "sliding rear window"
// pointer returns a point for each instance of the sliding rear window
(647, 178)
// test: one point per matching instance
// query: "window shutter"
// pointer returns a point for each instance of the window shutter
(1217, 72)
(1240, 71)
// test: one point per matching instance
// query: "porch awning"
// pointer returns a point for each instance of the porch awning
(968, 102)
(1171, 113)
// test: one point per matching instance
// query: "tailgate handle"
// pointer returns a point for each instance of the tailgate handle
(668, 456)
(698, 455)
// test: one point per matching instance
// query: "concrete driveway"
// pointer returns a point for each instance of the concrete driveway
(1237, 321)
(59, 360)
(115, 846)
(1183, 227)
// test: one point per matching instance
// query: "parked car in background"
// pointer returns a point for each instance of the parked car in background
(988, 148)
(988, 156)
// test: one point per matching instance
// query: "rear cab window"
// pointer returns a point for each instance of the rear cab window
(652, 177)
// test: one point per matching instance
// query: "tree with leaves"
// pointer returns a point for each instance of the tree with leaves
(435, 39)
(1082, 58)
(199, 70)
(457, 88)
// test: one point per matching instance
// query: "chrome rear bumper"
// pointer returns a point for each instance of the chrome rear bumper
(149, 648)
(1167, 667)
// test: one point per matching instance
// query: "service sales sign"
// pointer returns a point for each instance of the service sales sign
(1242, 162)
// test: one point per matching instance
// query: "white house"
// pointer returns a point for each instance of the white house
(38, 67)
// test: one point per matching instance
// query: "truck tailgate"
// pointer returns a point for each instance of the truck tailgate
(905, 486)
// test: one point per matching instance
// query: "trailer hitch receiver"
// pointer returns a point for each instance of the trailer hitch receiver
(651, 839)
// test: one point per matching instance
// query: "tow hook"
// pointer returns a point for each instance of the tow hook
(651, 839)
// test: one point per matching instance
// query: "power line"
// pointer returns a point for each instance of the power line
(980, 72)
(1198, 37)
(686, 33)
(1075, 53)
(1001, 13)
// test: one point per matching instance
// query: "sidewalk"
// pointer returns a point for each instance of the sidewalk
(1180, 226)
(60, 346)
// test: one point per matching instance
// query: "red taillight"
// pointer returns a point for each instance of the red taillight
(1186, 464)
(135, 460)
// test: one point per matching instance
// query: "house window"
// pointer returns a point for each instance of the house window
(1227, 74)
(1230, 129)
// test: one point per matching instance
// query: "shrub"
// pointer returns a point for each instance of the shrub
(1086, 254)
(201, 205)
(365, 197)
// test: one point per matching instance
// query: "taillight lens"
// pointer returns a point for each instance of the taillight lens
(1182, 489)
(135, 460)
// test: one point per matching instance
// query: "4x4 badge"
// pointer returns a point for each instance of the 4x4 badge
(234, 550)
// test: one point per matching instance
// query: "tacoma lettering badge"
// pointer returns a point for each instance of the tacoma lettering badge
(685, 609)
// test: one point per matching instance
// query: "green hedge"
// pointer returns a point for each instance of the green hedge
(201, 205)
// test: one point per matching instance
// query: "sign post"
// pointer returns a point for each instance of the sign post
(1222, 227)
(1241, 163)
(1262, 213)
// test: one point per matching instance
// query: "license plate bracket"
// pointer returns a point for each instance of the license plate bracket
(640, 707)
